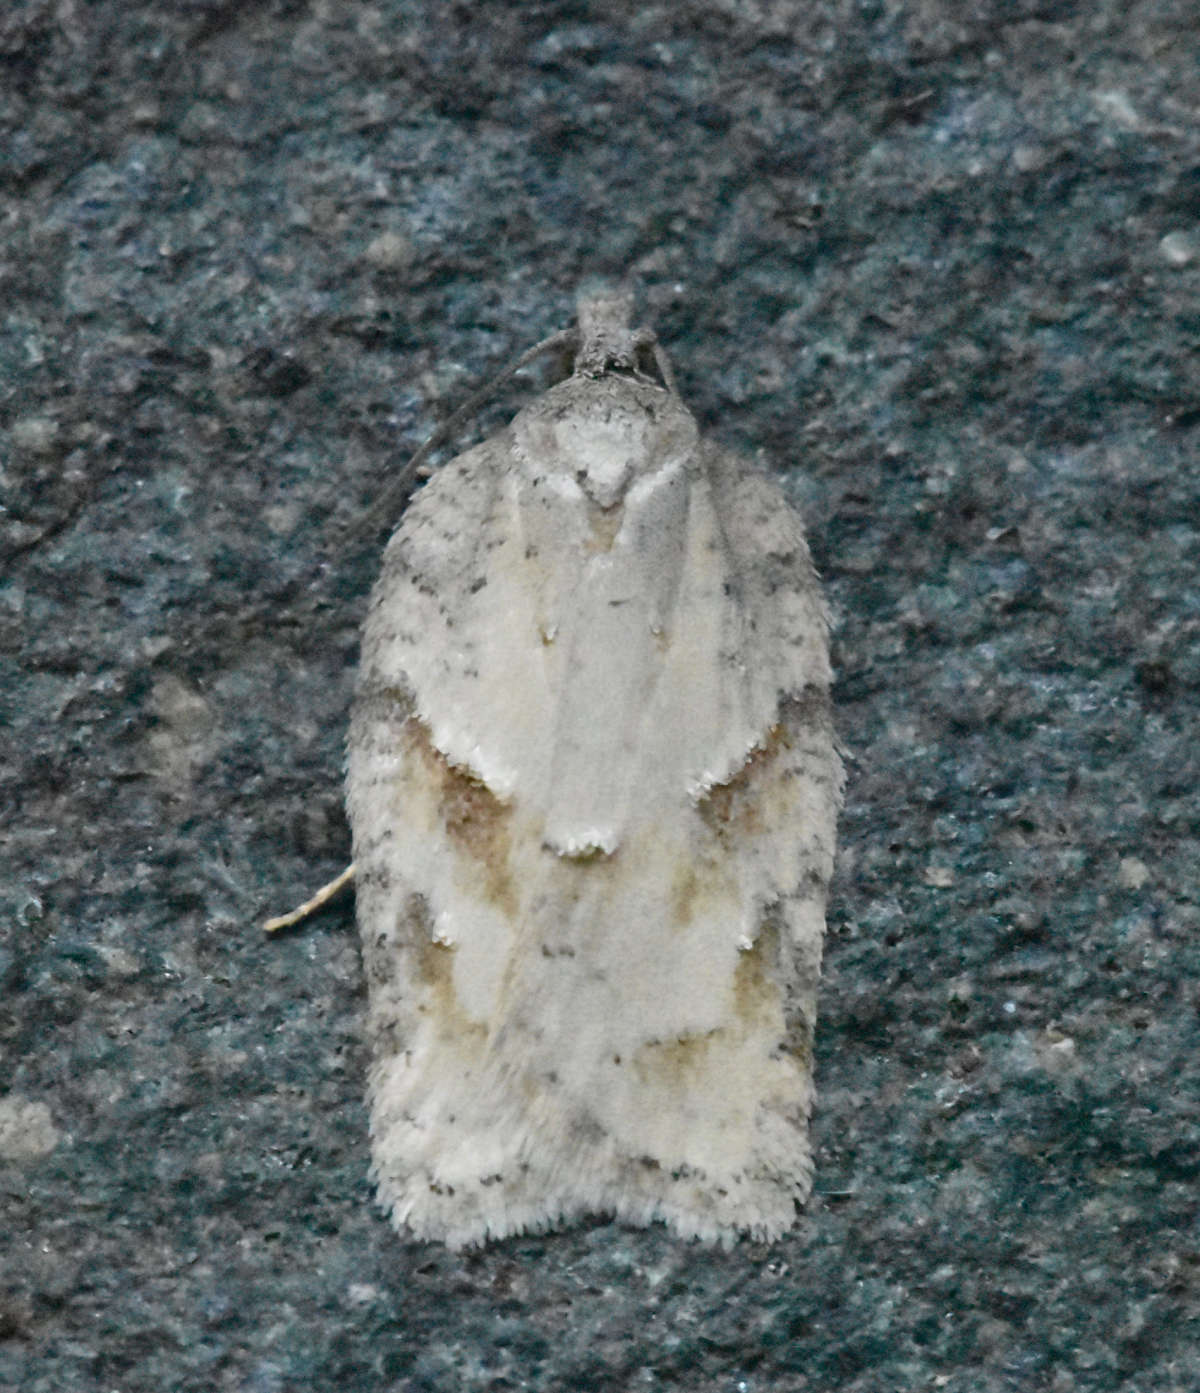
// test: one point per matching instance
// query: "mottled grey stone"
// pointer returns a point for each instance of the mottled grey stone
(938, 261)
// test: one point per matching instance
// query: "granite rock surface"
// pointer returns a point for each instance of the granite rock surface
(939, 262)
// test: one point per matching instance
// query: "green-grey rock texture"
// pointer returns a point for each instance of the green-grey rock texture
(939, 261)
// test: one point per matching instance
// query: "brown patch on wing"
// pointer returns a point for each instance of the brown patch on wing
(730, 809)
(757, 997)
(433, 964)
(684, 893)
(606, 523)
(698, 881)
(681, 1061)
(476, 821)
(757, 1002)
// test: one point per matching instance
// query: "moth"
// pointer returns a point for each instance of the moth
(593, 786)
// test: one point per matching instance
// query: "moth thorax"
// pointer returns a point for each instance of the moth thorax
(604, 451)
(613, 434)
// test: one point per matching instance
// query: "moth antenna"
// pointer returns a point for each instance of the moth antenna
(602, 340)
(650, 339)
(395, 493)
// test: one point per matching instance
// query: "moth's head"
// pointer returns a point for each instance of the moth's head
(605, 312)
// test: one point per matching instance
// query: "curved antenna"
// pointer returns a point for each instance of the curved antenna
(602, 339)
(398, 489)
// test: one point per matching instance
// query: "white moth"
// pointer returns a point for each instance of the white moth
(593, 787)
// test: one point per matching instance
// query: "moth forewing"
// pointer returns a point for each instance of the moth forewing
(593, 787)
